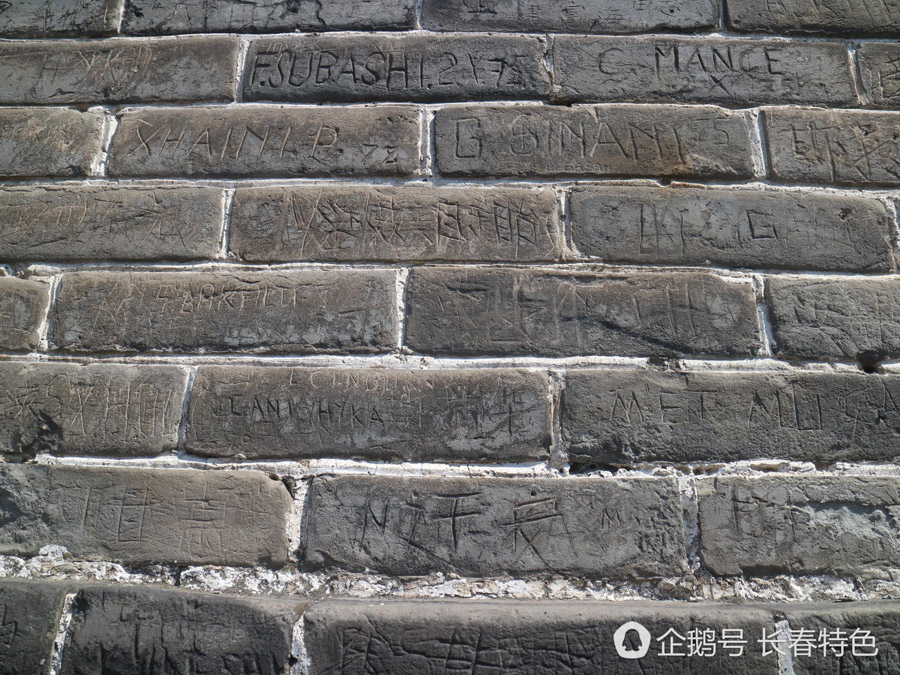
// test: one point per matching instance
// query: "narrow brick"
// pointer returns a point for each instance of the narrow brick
(865, 18)
(23, 306)
(620, 140)
(798, 525)
(29, 620)
(734, 228)
(406, 224)
(725, 71)
(333, 311)
(835, 318)
(841, 147)
(99, 409)
(415, 416)
(325, 68)
(92, 223)
(500, 311)
(76, 18)
(879, 67)
(589, 16)
(266, 141)
(631, 416)
(155, 17)
(491, 526)
(235, 518)
(39, 142)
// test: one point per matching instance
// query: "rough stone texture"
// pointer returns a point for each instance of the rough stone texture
(619, 140)
(845, 147)
(491, 526)
(395, 224)
(324, 68)
(538, 638)
(879, 68)
(632, 416)
(23, 306)
(334, 311)
(235, 518)
(862, 18)
(41, 18)
(39, 142)
(266, 140)
(446, 415)
(499, 311)
(29, 620)
(589, 16)
(98, 409)
(153, 17)
(123, 631)
(799, 524)
(88, 223)
(736, 228)
(725, 71)
(835, 318)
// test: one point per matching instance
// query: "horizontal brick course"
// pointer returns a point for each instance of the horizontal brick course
(48, 142)
(865, 18)
(23, 306)
(75, 18)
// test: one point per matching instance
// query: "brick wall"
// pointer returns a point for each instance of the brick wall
(447, 336)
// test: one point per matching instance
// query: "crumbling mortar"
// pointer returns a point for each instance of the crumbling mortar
(59, 642)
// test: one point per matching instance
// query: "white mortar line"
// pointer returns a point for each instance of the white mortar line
(59, 643)
(44, 327)
(894, 213)
(119, 15)
(856, 73)
(108, 130)
(295, 534)
(225, 232)
(401, 287)
(690, 512)
(762, 313)
(786, 659)
(183, 422)
(559, 456)
(302, 663)
(240, 68)
(418, 22)
(758, 144)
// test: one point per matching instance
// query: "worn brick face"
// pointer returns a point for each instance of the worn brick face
(57, 142)
(23, 306)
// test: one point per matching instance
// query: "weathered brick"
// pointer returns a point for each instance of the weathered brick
(726, 71)
(737, 228)
(48, 142)
(447, 415)
(39, 18)
(295, 311)
(23, 306)
(492, 526)
(846, 147)
(879, 66)
(617, 140)
(66, 223)
(516, 311)
(590, 16)
(118, 630)
(324, 68)
(799, 524)
(266, 140)
(29, 621)
(356, 637)
(145, 516)
(153, 17)
(835, 318)
(630, 416)
(406, 224)
(863, 18)
(98, 409)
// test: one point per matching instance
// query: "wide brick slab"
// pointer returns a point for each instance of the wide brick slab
(734, 228)
(145, 516)
(266, 140)
(48, 142)
(542, 312)
(77, 18)
(285, 312)
(325, 68)
(98, 409)
(879, 68)
(23, 306)
(29, 622)
(68, 223)
(403, 224)
(491, 526)
(447, 415)
(866, 18)
(620, 140)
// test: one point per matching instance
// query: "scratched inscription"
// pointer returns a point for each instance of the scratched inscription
(879, 66)
(76, 18)
(858, 17)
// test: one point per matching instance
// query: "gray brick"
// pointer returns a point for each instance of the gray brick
(589, 16)
(29, 621)
(499, 311)
(153, 17)
(98, 409)
(879, 67)
(266, 141)
(325, 68)
(91, 223)
(735, 228)
(48, 142)
(23, 306)
(841, 147)
(835, 318)
(405, 224)
(39, 18)
(491, 526)
(143, 516)
(617, 140)
(630, 416)
(726, 71)
(332, 311)
(866, 18)
(446, 415)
